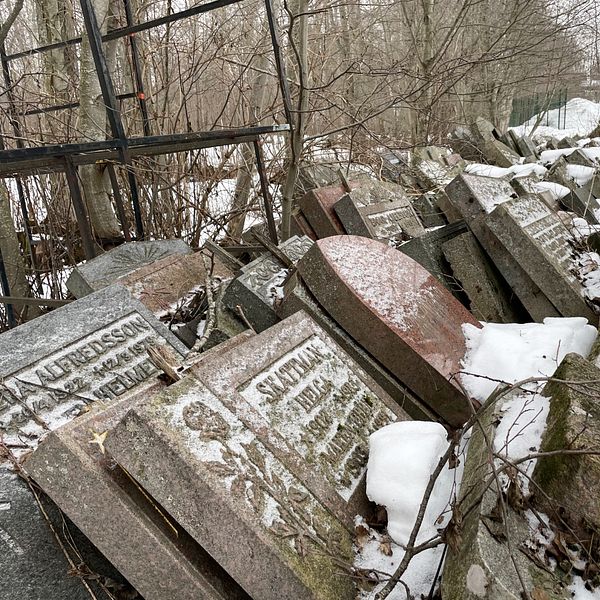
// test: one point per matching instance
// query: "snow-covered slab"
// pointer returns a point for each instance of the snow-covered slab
(473, 195)
(313, 398)
(105, 269)
(92, 349)
(234, 493)
(540, 243)
(397, 311)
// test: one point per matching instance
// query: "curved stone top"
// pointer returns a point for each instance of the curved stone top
(395, 308)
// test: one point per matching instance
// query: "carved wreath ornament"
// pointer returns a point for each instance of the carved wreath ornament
(254, 483)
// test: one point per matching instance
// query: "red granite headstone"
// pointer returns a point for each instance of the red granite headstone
(397, 311)
(317, 207)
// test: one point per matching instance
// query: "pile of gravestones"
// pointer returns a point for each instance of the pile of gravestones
(196, 424)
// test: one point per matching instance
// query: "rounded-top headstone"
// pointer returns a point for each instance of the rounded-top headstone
(396, 310)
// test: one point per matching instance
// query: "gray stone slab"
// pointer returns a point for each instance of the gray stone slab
(272, 447)
(540, 243)
(566, 142)
(427, 250)
(570, 482)
(105, 269)
(530, 295)
(579, 158)
(558, 173)
(56, 365)
(526, 147)
(488, 140)
(32, 565)
(234, 497)
(583, 203)
(256, 288)
(475, 275)
(525, 186)
(156, 556)
(314, 398)
(297, 297)
(430, 213)
(474, 195)
(393, 219)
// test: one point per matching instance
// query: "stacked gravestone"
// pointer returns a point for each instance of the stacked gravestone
(119, 262)
(476, 197)
(31, 561)
(570, 482)
(487, 296)
(317, 208)
(527, 186)
(398, 312)
(538, 241)
(255, 289)
(488, 140)
(163, 284)
(427, 250)
(156, 556)
(272, 447)
(429, 212)
(297, 298)
(380, 211)
(92, 349)
(89, 352)
(484, 565)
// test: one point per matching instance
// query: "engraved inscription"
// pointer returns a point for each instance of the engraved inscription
(250, 474)
(101, 366)
(391, 223)
(547, 231)
(315, 401)
(268, 272)
(296, 248)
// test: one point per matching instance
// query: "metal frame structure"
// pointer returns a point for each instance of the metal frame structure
(121, 149)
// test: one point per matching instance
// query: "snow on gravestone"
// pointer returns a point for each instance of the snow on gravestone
(254, 290)
(105, 269)
(275, 445)
(537, 239)
(92, 349)
(160, 561)
(475, 196)
(391, 216)
(397, 311)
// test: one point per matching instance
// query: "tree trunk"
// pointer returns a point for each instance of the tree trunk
(11, 255)
(92, 127)
(299, 40)
(243, 184)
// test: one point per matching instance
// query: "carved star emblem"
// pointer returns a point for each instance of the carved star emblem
(99, 438)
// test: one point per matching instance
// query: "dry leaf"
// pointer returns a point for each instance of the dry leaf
(361, 536)
(385, 546)
(539, 594)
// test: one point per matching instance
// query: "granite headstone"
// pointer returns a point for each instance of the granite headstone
(105, 269)
(398, 311)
